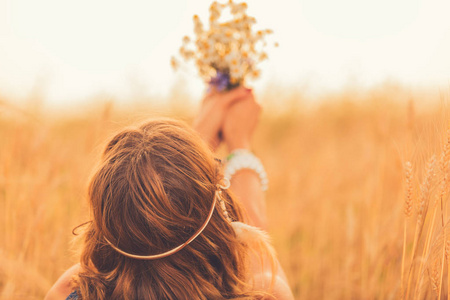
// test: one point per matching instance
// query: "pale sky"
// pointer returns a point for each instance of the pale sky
(72, 50)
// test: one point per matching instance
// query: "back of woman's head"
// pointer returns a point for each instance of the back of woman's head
(152, 191)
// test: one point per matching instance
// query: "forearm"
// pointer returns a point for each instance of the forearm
(246, 186)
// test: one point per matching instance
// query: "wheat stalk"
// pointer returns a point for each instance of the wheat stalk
(447, 256)
(444, 183)
(422, 209)
(435, 278)
(409, 189)
(408, 213)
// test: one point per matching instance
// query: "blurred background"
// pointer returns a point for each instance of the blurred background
(355, 89)
(71, 51)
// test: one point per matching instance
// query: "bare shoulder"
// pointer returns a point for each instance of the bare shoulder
(277, 286)
(268, 279)
(62, 287)
(266, 273)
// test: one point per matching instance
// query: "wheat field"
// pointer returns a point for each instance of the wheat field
(336, 200)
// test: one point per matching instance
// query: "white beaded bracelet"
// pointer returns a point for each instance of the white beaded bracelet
(244, 159)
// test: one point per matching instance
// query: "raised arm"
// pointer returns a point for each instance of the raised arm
(236, 115)
(247, 182)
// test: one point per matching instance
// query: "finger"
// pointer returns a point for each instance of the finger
(236, 94)
(209, 96)
(258, 106)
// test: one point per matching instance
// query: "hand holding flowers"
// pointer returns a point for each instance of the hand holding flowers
(226, 53)
(228, 116)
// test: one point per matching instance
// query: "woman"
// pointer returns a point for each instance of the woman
(164, 223)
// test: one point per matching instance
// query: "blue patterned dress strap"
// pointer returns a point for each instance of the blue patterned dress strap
(73, 296)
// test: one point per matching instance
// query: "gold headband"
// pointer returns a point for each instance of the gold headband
(225, 185)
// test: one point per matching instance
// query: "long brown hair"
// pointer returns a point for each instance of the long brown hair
(152, 190)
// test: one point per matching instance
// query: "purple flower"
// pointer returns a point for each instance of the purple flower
(220, 82)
